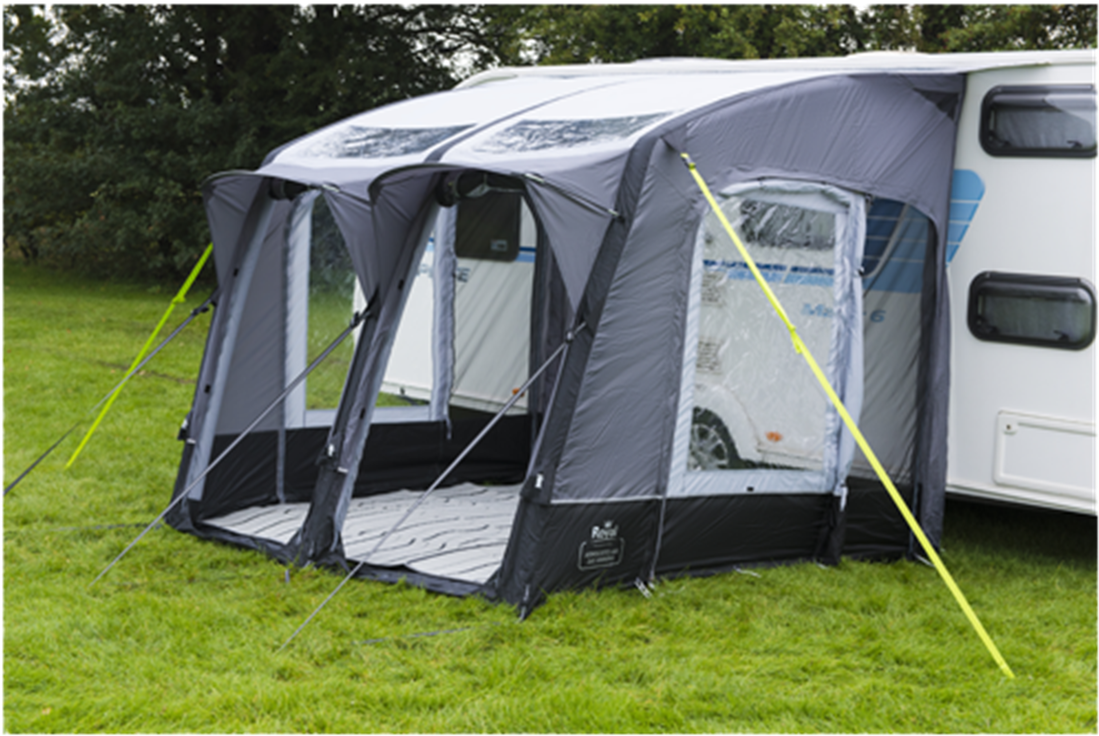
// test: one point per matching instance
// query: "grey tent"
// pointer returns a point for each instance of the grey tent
(674, 431)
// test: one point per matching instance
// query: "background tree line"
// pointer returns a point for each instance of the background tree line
(114, 115)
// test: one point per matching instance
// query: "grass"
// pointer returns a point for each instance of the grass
(329, 314)
(183, 635)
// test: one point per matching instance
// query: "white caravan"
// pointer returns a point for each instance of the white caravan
(1021, 254)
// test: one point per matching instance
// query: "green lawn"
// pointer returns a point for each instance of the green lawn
(182, 636)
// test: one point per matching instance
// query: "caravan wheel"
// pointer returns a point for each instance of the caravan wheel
(712, 447)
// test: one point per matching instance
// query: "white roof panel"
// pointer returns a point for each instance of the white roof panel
(411, 128)
(612, 114)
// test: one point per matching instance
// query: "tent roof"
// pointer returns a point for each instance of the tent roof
(524, 119)
(570, 130)
(535, 116)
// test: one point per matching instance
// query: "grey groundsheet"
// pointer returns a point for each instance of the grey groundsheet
(458, 532)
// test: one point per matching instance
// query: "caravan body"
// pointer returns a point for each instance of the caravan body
(1022, 417)
(540, 229)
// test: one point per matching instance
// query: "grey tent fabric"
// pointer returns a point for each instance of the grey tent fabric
(228, 199)
(594, 457)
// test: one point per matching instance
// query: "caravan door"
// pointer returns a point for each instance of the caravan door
(486, 254)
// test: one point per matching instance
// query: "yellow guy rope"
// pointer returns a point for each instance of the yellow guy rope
(803, 350)
(179, 299)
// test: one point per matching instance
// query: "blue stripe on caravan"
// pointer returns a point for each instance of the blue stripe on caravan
(962, 211)
(912, 243)
(877, 243)
(810, 276)
(739, 271)
(966, 193)
(806, 279)
(879, 226)
(900, 277)
(526, 255)
(967, 186)
(902, 273)
(890, 209)
(956, 232)
(772, 272)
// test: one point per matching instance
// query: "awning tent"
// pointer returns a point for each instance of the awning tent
(840, 181)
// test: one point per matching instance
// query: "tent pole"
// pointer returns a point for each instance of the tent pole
(114, 391)
(802, 349)
(442, 476)
(358, 318)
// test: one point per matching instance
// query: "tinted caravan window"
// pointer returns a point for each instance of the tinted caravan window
(488, 227)
(1039, 121)
(1046, 311)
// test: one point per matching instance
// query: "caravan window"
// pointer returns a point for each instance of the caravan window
(1046, 311)
(1039, 121)
(488, 227)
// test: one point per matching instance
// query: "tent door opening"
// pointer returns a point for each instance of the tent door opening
(477, 291)
(466, 339)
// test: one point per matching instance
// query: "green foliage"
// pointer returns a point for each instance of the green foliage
(572, 34)
(182, 636)
(971, 28)
(114, 115)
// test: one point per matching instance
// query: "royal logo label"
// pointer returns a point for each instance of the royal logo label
(605, 548)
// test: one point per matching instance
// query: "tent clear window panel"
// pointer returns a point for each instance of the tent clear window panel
(331, 302)
(539, 135)
(754, 405)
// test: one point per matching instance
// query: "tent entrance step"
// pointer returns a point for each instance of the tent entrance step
(459, 532)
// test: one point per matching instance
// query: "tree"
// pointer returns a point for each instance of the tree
(114, 115)
(978, 26)
(571, 34)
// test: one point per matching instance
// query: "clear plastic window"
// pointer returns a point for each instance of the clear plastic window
(1039, 121)
(410, 373)
(754, 404)
(537, 135)
(492, 307)
(331, 300)
(360, 141)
